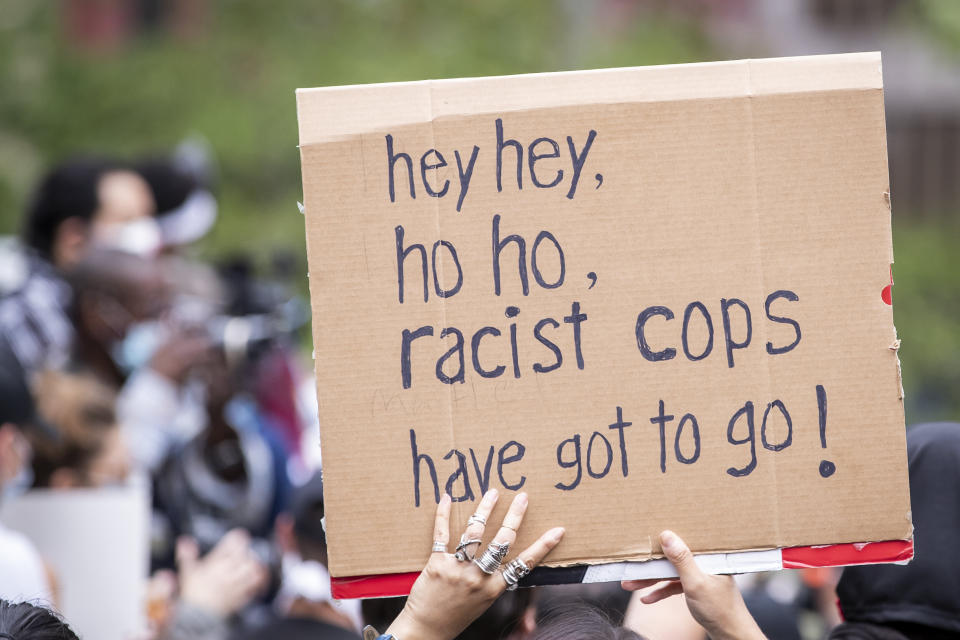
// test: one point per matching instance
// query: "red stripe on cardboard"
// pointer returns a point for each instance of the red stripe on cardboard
(382, 586)
(835, 555)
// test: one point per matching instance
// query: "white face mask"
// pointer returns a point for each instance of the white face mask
(310, 580)
(139, 344)
(140, 237)
(20, 483)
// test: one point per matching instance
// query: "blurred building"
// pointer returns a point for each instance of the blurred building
(921, 78)
(105, 25)
(921, 71)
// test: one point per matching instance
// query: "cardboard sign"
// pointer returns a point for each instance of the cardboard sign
(649, 297)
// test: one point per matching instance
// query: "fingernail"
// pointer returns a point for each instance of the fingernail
(522, 499)
(490, 495)
(557, 533)
(445, 500)
(670, 542)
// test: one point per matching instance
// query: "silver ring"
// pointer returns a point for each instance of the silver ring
(476, 519)
(438, 547)
(494, 554)
(515, 571)
(461, 553)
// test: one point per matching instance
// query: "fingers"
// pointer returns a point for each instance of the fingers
(535, 553)
(251, 576)
(441, 526)
(678, 553)
(511, 522)
(637, 585)
(232, 547)
(667, 590)
(187, 553)
(484, 509)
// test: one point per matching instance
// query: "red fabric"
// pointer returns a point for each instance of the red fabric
(275, 390)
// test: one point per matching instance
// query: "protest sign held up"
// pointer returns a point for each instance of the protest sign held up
(649, 297)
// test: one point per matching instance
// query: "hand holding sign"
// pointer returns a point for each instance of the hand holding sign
(450, 594)
(714, 601)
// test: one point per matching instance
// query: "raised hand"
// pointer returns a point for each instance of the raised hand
(453, 590)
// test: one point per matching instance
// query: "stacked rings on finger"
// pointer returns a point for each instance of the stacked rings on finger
(514, 572)
(461, 553)
(438, 547)
(476, 519)
(490, 561)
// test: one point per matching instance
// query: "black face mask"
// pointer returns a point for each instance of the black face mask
(924, 595)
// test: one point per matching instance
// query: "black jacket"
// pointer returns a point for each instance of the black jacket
(921, 599)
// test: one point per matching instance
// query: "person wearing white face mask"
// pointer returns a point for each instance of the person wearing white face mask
(23, 575)
(80, 204)
(119, 302)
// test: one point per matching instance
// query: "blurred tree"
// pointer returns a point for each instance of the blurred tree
(232, 82)
(943, 18)
(225, 70)
(926, 309)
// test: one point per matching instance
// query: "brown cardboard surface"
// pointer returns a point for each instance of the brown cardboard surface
(703, 183)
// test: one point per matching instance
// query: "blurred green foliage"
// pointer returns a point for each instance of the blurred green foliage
(926, 310)
(942, 17)
(232, 85)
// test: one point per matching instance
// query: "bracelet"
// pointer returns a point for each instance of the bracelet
(369, 633)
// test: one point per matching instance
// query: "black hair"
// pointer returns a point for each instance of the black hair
(25, 621)
(69, 190)
(580, 622)
(170, 185)
(502, 617)
(307, 510)
(607, 597)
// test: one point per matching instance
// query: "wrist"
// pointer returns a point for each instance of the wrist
(739, 627)
(203, 603)
(407, 627)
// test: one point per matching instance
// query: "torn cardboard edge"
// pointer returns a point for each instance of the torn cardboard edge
(834, 555)
(331, 113)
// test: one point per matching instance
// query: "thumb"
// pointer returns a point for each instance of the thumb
(678, 553)
(187, 553)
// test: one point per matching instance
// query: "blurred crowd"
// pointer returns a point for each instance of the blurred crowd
(125, 360)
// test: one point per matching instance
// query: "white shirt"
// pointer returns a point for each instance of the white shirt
(22, 574)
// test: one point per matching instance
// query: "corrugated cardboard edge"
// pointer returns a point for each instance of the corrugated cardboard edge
(835, 555)
(334, 113)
